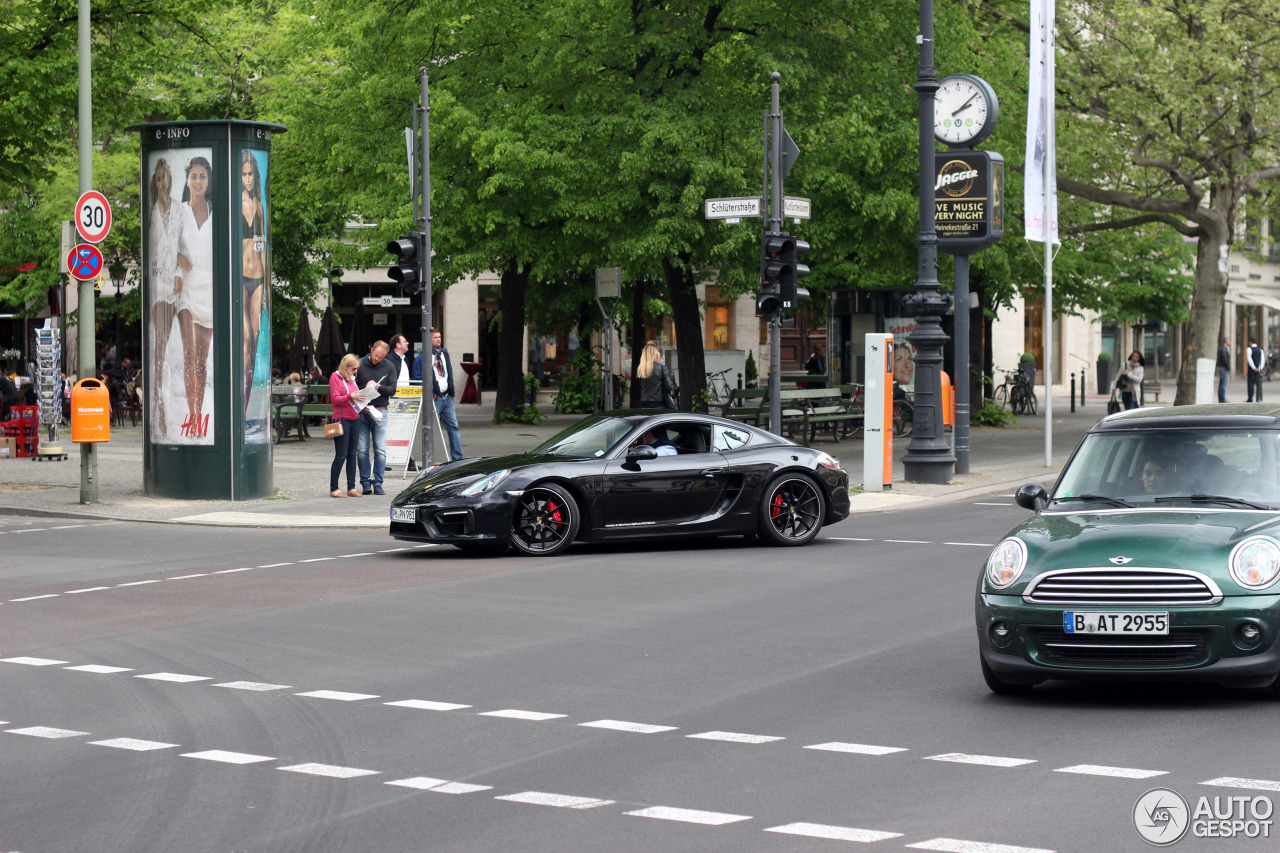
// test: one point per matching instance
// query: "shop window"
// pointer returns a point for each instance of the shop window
(718, 327)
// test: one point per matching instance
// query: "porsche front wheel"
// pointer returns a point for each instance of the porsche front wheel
(545, 522)
(791, 512)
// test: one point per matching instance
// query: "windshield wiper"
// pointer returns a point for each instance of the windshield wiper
(1094, 498)
(1214, 499)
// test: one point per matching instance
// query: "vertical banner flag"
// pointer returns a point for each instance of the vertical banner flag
(1040, 129)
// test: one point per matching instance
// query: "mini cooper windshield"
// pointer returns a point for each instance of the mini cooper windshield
(1184, 467)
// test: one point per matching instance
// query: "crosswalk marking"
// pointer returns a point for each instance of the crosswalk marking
(1116, 772)
(34, 661)
(736, 737)
(835, 833)
(337, 695)
(986, 760)
(257, 686)
(98, 668)
(330, 770)
(955, 845)
(175, 677)
(857, 748)
(46, 732)
(689, 815)
(622, 726)
(513, 714)
(425, 705)
(559, 801)
(226, 757)
(133, 744)
(1236, 782)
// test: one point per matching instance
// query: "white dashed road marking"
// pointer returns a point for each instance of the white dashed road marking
(1235, 782)
(137, 583)
(274, 565)
(987, 760)
(622, 726)
(86, 589)
(1117, 772)
(34, 661)
(102, 670)
(424, 705)
(971, 544)
(955, 845)
(992, 504)
(34, 597)
(908, 541)
(317, 559)
(175, 677)
(252, 685)
(835, 833)
(439, 786)
(228, 757)
(233, 571)
(337, 695)
(330, 770)
(133, 744)
(736, 737)
(851, 539)
(189, 577)
(690, 815)
(46, 732)
(857, 748)
(512, 714)
(559, 801)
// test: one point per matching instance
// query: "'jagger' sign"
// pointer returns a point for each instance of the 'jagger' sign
(969, 200)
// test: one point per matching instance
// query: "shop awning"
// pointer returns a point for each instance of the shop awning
(1264, 300)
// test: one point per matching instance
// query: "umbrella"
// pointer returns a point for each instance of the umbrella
(304, 347)
(330, 349)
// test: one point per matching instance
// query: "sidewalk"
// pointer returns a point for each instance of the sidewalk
(1001, 460)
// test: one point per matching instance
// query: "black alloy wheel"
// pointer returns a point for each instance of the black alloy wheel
(546, 521)
(792, 510)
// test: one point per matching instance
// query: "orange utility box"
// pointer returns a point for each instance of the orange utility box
(90, 412)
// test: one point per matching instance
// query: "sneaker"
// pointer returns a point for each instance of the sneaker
(377, 490)
(367, 491)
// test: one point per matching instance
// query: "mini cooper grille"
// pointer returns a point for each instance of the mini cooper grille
(1178, 648)
(1123, 586)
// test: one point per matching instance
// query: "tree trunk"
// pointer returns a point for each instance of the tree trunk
(511, 393)
(687, 318)
(637, 338)
(1200, 341)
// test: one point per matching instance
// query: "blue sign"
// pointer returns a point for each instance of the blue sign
(84, 262)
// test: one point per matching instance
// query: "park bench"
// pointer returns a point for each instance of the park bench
(292, 405)
(749, 405)
(813, 410)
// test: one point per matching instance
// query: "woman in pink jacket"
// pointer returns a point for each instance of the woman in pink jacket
(343, 393)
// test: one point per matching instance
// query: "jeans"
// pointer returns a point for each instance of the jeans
(344, 452)
(449, 420)
(1223, 375)
(379, 433)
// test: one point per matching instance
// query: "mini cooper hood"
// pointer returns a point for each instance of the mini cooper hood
(1184, 539)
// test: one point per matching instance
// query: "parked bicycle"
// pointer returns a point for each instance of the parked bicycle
(1016, 393)
(718, 388)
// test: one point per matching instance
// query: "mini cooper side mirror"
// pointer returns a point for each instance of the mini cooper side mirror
(641, 451)
(1032, 496)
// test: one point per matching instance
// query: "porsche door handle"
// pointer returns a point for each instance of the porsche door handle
(711, 472)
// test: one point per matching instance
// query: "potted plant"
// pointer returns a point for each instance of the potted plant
(749, 373)
(1027, 364)
(1104, 372)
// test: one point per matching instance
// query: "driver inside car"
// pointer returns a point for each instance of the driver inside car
(660, 443)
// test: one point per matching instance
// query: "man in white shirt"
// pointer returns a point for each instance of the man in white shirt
(1255, 360)
(399, 358)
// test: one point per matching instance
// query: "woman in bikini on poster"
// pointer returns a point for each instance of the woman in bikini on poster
(194, 286)
(164, 225)
(253, 254)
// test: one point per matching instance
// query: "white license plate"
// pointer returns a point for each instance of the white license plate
(406, 514)
(1114, 622)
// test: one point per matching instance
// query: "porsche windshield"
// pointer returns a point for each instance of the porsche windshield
(1175, 467)
(590, 438)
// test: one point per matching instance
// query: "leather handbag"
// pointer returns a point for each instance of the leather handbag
(1113, 405)
(332, 429)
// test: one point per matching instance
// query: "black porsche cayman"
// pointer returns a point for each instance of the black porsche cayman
(615, 476)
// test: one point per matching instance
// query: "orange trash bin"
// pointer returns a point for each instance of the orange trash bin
(90, 412)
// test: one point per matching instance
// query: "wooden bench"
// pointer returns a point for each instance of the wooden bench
(802, 378)
(289, 412)
(814, 410)
(749, 405)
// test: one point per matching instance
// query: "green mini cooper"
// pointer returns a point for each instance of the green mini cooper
(1156, 557)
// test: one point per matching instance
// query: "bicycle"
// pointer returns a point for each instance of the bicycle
(1016, 393)
(718, 388)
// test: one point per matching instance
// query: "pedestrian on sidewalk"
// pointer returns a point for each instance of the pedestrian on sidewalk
(1224, 369)
(443, 393)
(1255, 360)
(343, 392)
(1133, 371)
(377, 368)
(656, 389)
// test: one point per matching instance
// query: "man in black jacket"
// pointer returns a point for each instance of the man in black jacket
(439, 377)
(372, 430)
(1223, 367)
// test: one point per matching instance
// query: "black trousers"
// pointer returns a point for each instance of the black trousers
(1253, 382)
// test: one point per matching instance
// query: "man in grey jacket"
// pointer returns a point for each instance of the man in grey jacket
(372, 430)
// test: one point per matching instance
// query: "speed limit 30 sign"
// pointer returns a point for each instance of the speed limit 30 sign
(93, 217)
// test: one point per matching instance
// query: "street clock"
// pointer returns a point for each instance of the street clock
(965, 110)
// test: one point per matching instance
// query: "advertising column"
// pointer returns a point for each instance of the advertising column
(207, 309)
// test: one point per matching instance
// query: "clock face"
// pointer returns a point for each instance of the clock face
(964, 110)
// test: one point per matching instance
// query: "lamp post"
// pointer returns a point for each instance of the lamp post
(117, 270)
(929, 458)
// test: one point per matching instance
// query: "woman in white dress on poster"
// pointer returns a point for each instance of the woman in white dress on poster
(163, 228)
(194, 286)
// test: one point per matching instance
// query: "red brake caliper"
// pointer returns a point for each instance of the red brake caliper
(776, 509)
(554, 510)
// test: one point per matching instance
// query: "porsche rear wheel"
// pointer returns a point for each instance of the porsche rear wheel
(792, 511)
(545, 522)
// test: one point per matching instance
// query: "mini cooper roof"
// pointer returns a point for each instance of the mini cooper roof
(1208, 416)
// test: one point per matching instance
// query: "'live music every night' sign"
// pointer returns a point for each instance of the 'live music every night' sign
(969, 200)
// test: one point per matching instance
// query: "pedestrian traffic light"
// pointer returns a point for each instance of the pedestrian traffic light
(773, 270)
(408, 250)
(793, 271)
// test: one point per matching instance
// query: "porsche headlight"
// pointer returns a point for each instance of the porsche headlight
(484, 484)
(1006, 563)
(1255, 563)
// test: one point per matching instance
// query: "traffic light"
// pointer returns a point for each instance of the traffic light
(773, 271)
(793, 271)
(408, 250)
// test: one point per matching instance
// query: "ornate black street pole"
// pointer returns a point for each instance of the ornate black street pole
(929, 458)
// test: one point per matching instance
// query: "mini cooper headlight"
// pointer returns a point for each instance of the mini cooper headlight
(1255, 563)
(484, 484)
(1006, 563)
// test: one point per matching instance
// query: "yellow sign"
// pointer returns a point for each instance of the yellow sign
(409, 391)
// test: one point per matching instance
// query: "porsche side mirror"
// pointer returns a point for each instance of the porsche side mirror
(641, 451)
(1032, 496)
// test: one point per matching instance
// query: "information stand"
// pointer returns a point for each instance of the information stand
(404, 426)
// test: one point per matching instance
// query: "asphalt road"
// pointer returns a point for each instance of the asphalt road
(168, 688)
